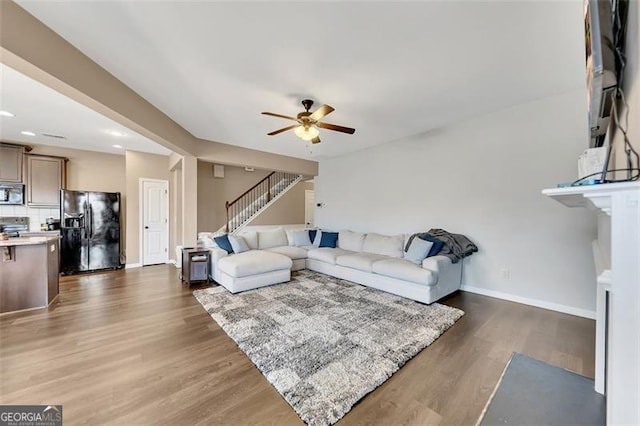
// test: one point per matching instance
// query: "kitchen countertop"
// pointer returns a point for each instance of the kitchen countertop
(23, 241)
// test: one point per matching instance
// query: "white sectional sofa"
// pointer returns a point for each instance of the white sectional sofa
(372, 260)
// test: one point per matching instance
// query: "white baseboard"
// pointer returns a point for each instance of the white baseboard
(584, 313)
(132, 265)
(171, 262)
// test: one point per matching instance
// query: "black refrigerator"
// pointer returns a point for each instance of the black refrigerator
(90, 229)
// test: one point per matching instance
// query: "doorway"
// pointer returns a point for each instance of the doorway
(309, 207)
(154, 221)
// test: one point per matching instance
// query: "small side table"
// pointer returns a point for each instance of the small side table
(195, 264)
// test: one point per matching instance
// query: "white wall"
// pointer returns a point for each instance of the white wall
(481, 178)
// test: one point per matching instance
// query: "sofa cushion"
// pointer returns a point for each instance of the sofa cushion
(275, 238)
(251, 238)
(359, 261)
(224, 243)
(238, 244)
(291, 252)
(329, 239)
(386, 245)
(352, 241)
(300, 238)
(326, 254)
(418, 251)
(404, 270)
(312, 235)
(253, 262)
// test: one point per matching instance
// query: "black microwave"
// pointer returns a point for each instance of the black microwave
(11, 193)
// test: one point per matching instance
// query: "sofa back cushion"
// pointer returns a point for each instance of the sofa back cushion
(270, 239)
(385, 245)
(352, 241)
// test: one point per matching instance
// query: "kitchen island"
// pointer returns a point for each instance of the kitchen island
(29, 268)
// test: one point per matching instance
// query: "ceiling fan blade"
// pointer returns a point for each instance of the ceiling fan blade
(316, 140)
(284, 129)
(280, 115)
(321, 112)
(336, 128)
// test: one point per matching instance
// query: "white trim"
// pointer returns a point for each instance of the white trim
(141, 216)
(132, 265)
(532, 302)
(170, 262)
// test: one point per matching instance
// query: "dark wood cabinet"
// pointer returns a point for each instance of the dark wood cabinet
(45, 177)
(11, 163)
(195, 264)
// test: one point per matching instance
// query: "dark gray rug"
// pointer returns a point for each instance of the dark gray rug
(532, 392)
(323, 342)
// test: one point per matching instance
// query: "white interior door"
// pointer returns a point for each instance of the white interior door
(155, 221)
(309, 207)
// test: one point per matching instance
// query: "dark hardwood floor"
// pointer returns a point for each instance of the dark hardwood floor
(135, 347)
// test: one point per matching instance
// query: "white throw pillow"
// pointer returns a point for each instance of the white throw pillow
(418, 250)
(251, 238)
(238, 244)
(385, 245)
(353, 241)
(270, 239)
(300, 238)
(207, 242)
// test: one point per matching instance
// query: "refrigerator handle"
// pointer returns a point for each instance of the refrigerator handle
(86, 220)
(91, 221)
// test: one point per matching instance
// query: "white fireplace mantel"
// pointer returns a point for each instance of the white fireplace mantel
(618, 292)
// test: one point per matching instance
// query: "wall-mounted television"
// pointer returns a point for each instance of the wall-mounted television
(601, 66)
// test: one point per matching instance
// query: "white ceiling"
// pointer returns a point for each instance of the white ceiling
(391, 69)
(40, 109)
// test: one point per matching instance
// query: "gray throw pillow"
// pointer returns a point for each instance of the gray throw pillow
(238, 244)
(418, 251)
(301, 238)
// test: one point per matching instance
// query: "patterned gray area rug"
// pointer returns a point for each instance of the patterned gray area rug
(322, 342)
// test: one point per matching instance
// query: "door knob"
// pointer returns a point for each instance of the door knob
(146, 227)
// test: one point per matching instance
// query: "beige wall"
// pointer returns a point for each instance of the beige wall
(289, 209)
(139, 165)
(214, 192)
(88, 170)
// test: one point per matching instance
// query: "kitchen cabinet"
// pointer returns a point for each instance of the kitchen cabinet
(45, 177)
(11, 163)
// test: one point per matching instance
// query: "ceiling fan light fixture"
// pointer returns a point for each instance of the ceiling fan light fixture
(306, 133)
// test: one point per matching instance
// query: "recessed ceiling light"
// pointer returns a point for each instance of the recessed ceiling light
(115, 133)
(117, 146)
(27, 133)
(6, 114)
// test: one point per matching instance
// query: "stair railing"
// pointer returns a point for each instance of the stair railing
(256, 197)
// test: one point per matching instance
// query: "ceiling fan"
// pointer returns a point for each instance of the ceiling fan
(308, 122)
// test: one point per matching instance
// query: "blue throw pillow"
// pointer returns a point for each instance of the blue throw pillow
(224, 243)
(437, 244)
(329, 239)
(312, 235)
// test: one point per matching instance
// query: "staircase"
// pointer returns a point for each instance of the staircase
(256, 199)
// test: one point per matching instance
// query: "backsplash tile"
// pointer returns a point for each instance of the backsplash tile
(37, 216)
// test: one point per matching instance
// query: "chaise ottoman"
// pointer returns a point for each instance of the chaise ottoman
(253, 269)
